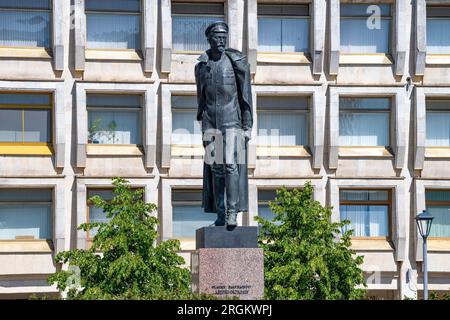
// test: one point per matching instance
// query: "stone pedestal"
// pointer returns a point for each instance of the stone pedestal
(221, 268)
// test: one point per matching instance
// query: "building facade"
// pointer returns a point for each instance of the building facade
(353, 96)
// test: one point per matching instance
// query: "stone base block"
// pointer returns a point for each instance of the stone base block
(224, 237)
(229, 272)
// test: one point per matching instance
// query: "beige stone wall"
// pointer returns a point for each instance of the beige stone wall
(159, 72)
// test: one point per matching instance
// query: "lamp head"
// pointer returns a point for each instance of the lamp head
(424, 221)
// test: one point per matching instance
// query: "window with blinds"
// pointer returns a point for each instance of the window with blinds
(26, 214)
(364, 121)
(283, 28)
(25, 23)
(438, 122)
(187, 214)
(367, 210)
(365, 28)
(114, 119)
(282, 121)
(438, 24)
(438, 205)
(186, 130)
(113, 24)
(189, 22)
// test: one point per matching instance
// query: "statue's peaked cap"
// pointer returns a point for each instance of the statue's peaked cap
(218, 26)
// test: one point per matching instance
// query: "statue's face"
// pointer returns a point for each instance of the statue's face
(218, 40)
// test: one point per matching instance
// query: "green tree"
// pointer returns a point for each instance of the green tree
(125, 262)
(306, 256)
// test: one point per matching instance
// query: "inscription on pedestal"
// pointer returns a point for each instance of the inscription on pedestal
(229, 272)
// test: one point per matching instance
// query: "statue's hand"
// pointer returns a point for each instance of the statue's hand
(247, 134)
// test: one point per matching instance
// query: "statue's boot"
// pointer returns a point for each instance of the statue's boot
(220, 221)
(232, 219)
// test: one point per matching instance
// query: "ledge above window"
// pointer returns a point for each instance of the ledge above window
(26, 149)
(10, 246)
(439, 244)
(371, 244)
(113, 150)
(100, 54)
(287, 151)
(368, 58)
(187, 150)
(437, 59)
(437, 152)
(25, 52)
(284, 57)
(365, 152)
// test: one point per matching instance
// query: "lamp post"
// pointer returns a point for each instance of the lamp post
(424, 221)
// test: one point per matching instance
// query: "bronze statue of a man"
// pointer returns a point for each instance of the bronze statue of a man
(225, 111)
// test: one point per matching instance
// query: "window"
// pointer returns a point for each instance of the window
(186, 129)
(438, 205)
(113, 24)
(189, 22)
(362, 31)
(264, 197)
(438, 123)
(25, 23)
(364, 121)
(25, 118)
(26, 214)
(114, 118)
(96, 214)
(282, 121)
(367, 210)
(188, 215)
(283, 28)
(438, 24)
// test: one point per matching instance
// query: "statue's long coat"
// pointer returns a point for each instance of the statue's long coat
(243, 83)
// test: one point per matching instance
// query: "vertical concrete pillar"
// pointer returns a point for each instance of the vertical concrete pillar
(252, 144)
(420, 129)
(80, 35)
(166, 32)
(334, 130)
(150, 125)
(235, 13)
(82, 126)
(400, 222)
(60, 125)
(400, 35)
(421, 36)
(334, 36)
(252, 33)
(81, 201)
(59, 21)
(318, 127)
(401, 120)
(319, 19)
(408, 281)
(166, 221)
(252, 204)
(150, 18)
(59, 215)
(333, 190)
(420, 206)
(166, 111)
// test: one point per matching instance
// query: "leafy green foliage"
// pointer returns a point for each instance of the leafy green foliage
(124, 261)
(305, 254)
(436, 296)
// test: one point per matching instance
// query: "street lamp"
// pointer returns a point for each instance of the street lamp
(424, 221)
